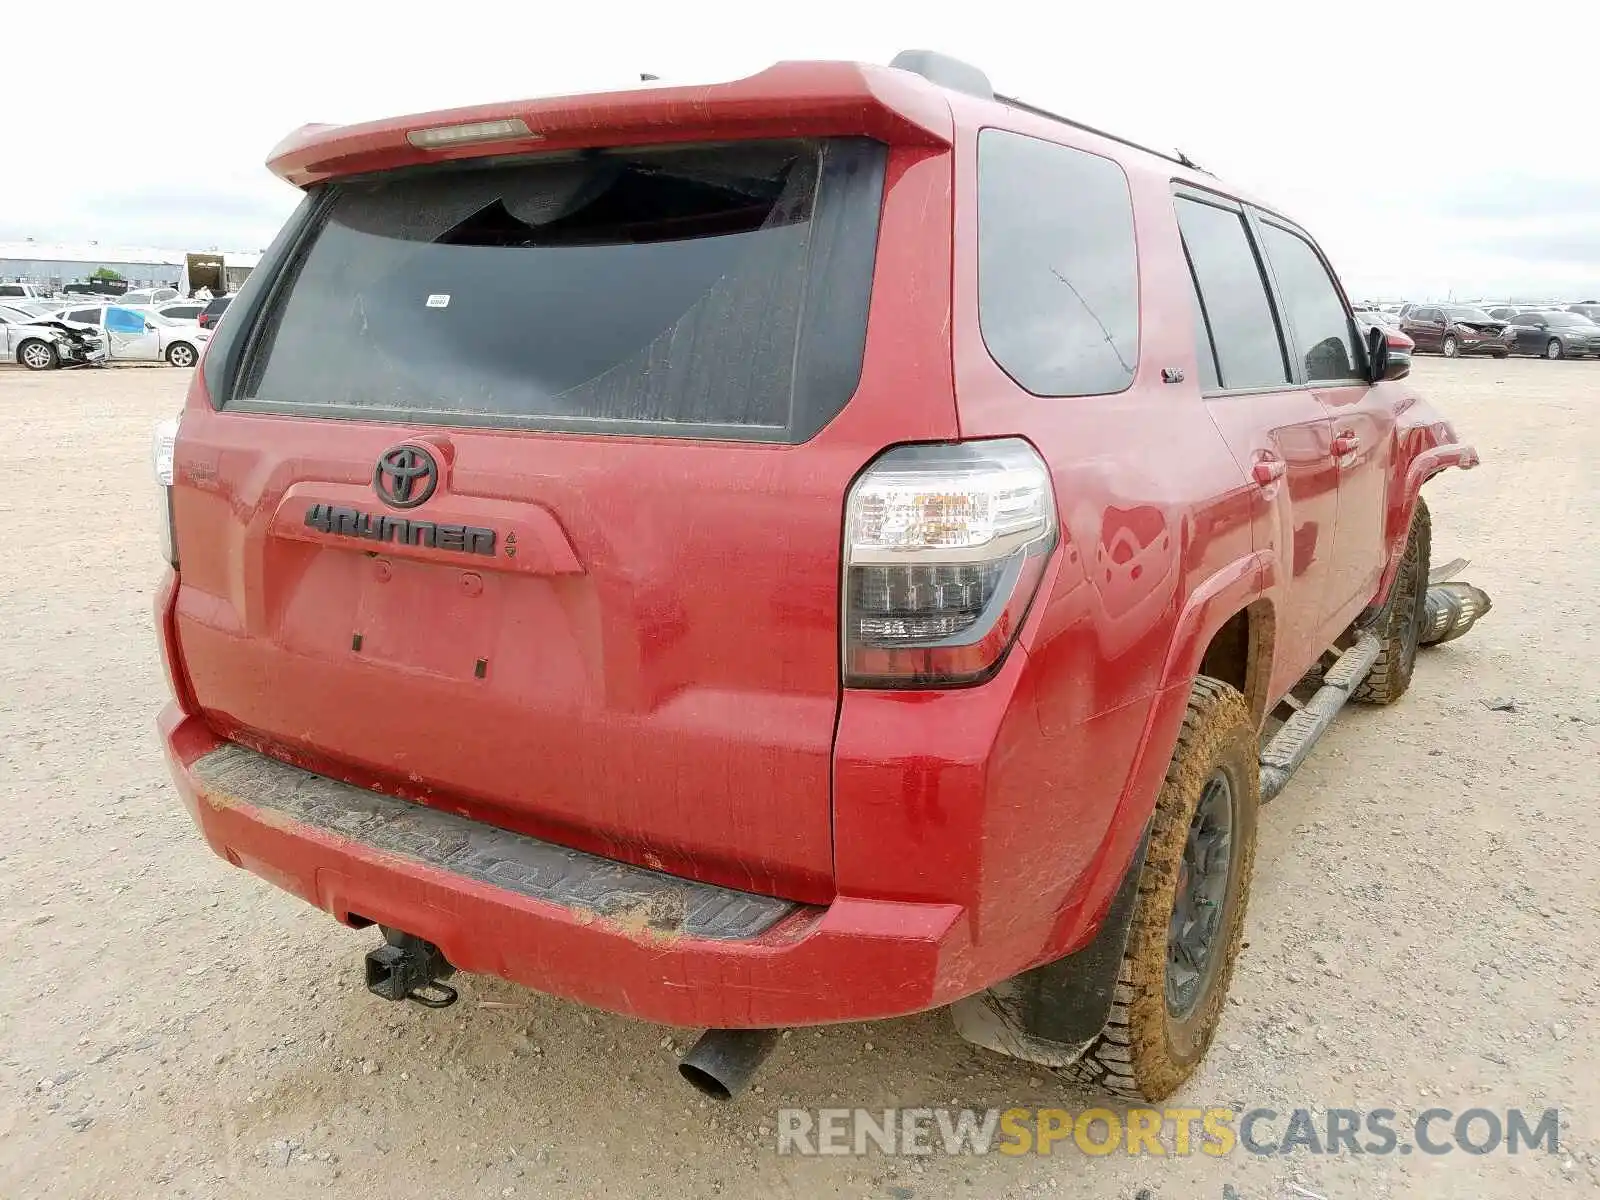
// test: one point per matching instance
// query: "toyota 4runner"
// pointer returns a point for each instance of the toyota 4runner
(807, 549)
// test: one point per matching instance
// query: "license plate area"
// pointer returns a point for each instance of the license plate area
(428, 617)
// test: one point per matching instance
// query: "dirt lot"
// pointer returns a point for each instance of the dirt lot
(1423, 930)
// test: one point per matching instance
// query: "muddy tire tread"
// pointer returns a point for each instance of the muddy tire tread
(1391, 673)
(1129, 1057)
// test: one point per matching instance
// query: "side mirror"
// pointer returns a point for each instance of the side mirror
(1389, 352)
(149, 328)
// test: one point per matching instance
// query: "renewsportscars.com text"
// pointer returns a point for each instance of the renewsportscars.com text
(1171, 1131)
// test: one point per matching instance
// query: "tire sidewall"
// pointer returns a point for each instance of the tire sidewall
(53, 360)
(1449, 348)
(1167, 1050)
(1398, 623)
(178, 348)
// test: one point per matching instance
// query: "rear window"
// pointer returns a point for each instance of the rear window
(1058, 276)
(714, 291)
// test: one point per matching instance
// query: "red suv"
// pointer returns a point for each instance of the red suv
(813, 548)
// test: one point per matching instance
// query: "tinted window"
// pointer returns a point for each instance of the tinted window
(1234, 294)
(182, 311)
(11, 289)
(89, 316)
(1058, 280)
(1566, 320)
(1321, 327)
(218, 306)
(701, 291)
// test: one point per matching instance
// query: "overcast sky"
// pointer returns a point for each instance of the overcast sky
(1432, 148)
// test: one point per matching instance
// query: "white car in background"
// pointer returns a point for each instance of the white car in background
(135, 334)
(184, 311)
(35, 341)
(151, 296)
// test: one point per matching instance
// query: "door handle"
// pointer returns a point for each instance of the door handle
(1345, 443)
(1267, 470)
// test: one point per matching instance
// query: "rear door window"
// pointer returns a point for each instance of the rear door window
(1058, 274)
(709, 291)
(1233, 292)
(1323, 333)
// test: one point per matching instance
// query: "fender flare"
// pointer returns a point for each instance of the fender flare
(1421, 469)
(1050, 1013)
(1209, 606)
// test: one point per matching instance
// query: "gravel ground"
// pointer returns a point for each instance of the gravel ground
(1422, 932)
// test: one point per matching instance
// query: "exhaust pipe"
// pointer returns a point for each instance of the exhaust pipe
(722, 1062)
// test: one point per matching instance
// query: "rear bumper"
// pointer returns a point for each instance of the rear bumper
(596, 943)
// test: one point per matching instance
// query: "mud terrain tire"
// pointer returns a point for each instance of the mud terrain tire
(1399, 621)
(1145, 1052)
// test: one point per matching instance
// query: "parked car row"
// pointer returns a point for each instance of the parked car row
(1459, 330)
(41, 336)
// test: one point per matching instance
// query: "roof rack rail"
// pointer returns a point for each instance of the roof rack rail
(964, 77)
(1176, 156)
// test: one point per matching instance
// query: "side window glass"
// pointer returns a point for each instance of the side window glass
(1058, 276)
(1234, 296)
(1317, 317)
(123, 320)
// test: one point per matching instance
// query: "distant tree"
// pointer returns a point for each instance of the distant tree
(105, 273)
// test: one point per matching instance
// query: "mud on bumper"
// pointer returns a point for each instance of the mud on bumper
(557, 920)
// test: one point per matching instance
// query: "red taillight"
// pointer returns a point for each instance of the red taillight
(944, 549)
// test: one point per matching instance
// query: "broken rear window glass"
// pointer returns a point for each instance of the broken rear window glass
(705, 291)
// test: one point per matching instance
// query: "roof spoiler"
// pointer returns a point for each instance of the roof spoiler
(791, 99)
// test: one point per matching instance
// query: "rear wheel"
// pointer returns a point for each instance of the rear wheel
(1450, 349)
(38, 356)
(181, 354)
(1399, 621)
(1554, 349)
(1189, 918)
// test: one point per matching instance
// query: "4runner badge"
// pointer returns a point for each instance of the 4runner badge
(382, 527)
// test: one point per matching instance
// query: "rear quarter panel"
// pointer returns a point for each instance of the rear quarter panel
(1040, 813)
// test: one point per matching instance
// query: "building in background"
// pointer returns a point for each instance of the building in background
(53, 266)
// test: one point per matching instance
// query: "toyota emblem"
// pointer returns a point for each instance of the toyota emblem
(405, 477)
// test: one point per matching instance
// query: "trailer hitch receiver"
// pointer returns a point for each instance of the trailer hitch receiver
(406, 967)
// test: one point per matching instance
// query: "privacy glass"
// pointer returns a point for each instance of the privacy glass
(1058, 276)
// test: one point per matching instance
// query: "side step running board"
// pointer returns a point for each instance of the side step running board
(1282, 756)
